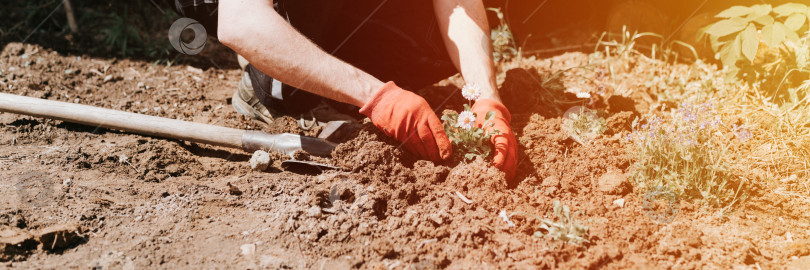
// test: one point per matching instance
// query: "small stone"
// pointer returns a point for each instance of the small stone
(436, 219)
(233, 190)
(108, 78)
(619, 203)
(260, 161)
(799, 263)
(194, 70)
(613, 182)
(383, 247)
(551, 181)
(314, 211)
(272, 262)
(248, 250)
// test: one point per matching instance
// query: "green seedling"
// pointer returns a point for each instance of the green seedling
(564, 229)
(503, 41)
(583, 125)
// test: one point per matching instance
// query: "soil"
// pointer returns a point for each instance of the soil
(144, 202)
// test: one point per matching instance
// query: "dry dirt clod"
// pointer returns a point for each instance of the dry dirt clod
(233, 190)
(260, 161)
(800, 263)
(619, 203)
(14, 243)
(59, 236)
(613, 182)
(247, 250)
(314, 211)
(551, 181)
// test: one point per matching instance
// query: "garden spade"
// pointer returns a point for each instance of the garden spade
(247, 140)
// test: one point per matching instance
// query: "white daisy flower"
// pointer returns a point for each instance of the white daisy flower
(466, 120)
(471, 91)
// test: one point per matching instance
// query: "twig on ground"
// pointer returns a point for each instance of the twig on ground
(424, 242)
(461, 196)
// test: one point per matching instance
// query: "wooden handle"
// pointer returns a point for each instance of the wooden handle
(125, 121)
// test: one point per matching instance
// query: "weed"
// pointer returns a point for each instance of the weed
(683, 152)
(583, 125)
(564, 229)
(504, 47)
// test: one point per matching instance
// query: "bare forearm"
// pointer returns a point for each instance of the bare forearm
(466, 36)
(256, 31)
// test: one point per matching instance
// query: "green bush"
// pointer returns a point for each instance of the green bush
(762, 45)
(683, 153)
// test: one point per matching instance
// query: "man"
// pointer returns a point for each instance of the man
(362, 52)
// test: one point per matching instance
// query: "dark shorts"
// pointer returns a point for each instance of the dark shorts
(393, 40)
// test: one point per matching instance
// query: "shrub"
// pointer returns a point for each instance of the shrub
(762, 45)
(684, 152)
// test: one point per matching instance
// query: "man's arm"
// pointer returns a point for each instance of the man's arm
(256, 31)
(466, 35)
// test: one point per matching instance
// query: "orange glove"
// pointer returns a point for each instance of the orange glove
(505, 142)
(408, 118)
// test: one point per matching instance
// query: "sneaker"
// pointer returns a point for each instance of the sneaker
(309, 109)
(246, 103)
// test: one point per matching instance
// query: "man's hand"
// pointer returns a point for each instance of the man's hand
(505, 142)
(408, 118)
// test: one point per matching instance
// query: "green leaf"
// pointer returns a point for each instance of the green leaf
(490, 115)
(773, 36)
(467, 107)
(730, 53)
(735, 11)
(764, 20)
(789, 34)
(726, 27)
(469, 156)
(760, 10)
(557, 206)
(808, 13)
(750, 42)
(795, 21)
(566, 213)
(716, 43)
(789, 9)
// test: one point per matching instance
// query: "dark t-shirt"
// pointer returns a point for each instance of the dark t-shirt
(393, 40)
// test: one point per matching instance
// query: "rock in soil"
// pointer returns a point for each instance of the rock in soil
(59, 236)
(314, 211)
(260, 161)
(801, 263)
(15, 244)
(248, 250)
(613, 182)
(233, 190)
